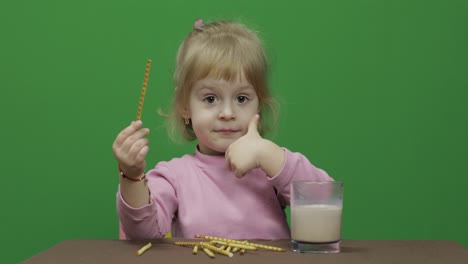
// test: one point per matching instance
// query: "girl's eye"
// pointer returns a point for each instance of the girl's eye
(242, 99)
(210, 99)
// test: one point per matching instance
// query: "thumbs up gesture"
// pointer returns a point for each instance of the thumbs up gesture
(252, 151)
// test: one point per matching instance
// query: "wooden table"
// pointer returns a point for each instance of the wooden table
(164, 251)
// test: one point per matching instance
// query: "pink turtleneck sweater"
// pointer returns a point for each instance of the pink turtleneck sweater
(196, 194)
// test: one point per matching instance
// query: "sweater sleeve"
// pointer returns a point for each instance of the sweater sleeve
(154, 219)
(296, 167)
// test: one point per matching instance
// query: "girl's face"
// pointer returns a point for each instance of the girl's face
(220, 112)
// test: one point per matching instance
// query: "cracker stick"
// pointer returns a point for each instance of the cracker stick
(143, 249)
(215, 249)
(143, 89)
(220, 239)
(249, 247)
(266, 247)
(195, 250)
(208, 252)
(223, 247)
(241, 243)
(187, 243)
(219, 242)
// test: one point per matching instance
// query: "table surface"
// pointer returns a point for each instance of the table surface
(164, 251)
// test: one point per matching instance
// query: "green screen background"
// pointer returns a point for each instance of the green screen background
(372, 91)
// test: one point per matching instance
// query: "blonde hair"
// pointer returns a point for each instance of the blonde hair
(222, 50)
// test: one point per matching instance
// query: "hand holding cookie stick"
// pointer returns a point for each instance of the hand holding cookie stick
(143, 89)
(130, 149)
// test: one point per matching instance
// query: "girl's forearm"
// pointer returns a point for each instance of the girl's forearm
(272, 158)
(136, 194)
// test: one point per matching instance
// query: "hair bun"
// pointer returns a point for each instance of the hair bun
(198, 24)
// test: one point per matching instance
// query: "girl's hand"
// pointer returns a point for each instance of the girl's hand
(251, 151)
(243, 154)
(130, 149)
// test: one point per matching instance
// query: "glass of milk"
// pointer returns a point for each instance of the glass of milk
(316, 216)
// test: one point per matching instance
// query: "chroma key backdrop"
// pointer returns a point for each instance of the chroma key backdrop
(374, 92)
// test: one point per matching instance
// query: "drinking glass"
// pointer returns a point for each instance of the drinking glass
(316, 213)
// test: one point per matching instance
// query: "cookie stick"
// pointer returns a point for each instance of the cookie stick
(208, 252)
(143, 249)
(188, 243)
(143, 89)
(215, 249)
(241, 243)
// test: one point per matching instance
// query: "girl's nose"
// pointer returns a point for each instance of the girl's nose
(227, 112)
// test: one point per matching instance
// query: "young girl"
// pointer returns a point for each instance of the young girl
(236, 184)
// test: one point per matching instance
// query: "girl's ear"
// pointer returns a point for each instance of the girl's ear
(185, 113)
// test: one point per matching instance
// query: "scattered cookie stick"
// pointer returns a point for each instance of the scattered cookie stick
(267, 247)
(143, 89)
(224, 246)
(143, 249)
(238, 242)
(208, 252)
(239, 246)
(215, 249)
(183, 243)
(220, 239)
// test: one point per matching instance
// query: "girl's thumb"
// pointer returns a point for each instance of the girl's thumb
(253, 123)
